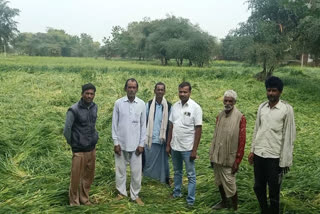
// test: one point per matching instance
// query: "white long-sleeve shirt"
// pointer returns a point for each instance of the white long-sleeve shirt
(274, 132)
(129, 124)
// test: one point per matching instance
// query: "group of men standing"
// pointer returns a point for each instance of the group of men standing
(145, 135)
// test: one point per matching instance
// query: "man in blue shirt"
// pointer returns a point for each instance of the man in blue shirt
(155, 157)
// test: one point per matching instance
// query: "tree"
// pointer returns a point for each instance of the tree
(234, 47)
(55, 42)
(88, 48)
(307, 36)
(8, 27)
(269, 33)
(166, 31)
(276, 29)
(201, 47)
(164, 39)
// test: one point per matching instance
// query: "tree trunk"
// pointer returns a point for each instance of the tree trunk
(4, 46)
(264, 71)
(178, 63)
(4, 50)
(263, 74)
(181, 61)
(269, 74)
(316, 60)
(301, 60)
(190, 63)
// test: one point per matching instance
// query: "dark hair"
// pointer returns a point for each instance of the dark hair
(87, 87)
(132, 80)
(274, 82)
(184, 84)
(159, 83)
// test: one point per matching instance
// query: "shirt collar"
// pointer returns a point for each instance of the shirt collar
(186, 104)
(126, 99)
(277, 106)
(83, 105)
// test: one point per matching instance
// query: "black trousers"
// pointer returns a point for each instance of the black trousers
(267, 172)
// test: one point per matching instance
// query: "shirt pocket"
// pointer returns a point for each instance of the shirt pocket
(187, 119)
(136, 119)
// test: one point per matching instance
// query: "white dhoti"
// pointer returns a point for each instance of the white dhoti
(224, 177)
(121, 176)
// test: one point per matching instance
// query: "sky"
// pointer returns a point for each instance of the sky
(96, 17)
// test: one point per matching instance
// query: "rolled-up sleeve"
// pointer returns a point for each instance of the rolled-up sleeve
(198, 116)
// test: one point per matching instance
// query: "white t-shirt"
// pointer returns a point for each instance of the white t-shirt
(184, 119)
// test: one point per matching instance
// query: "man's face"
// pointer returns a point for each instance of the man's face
(273, 94)
(159, 91)
(131, 89)
(228, 103)
(184, 93)
(88, 96)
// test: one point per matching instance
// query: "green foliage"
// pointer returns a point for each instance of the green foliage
(171, 38)
(35, 159)
(55, 43)
(8, 27)
(274, 31)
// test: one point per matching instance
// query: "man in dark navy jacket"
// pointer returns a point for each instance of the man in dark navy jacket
(81, 135)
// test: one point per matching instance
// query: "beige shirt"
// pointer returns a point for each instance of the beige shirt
(184, 119)
(274, 132)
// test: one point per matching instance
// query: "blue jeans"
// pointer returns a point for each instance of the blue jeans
(177, 160)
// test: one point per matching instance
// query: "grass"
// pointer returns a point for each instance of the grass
(35, 159)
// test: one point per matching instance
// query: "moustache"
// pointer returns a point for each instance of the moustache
(228, 107)
(271, 98)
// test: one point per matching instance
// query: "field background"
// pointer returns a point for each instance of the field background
(35, 93)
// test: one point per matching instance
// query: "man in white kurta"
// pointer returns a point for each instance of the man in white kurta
(272, 146)
(129, 134)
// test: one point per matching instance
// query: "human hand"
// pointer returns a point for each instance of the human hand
(285, 170)
(117, 150)
(234, 168)
(250, 158)
(139, 150)
(168, 150)
(193, 155)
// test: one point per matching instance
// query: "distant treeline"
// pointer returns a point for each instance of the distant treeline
(165, 39)
(55, 43)
(275, 33)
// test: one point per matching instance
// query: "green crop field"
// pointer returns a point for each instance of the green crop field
(35, 93)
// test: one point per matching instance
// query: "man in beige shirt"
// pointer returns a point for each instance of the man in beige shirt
(272, 146)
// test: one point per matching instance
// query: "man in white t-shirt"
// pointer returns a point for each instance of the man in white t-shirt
(183, 140)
